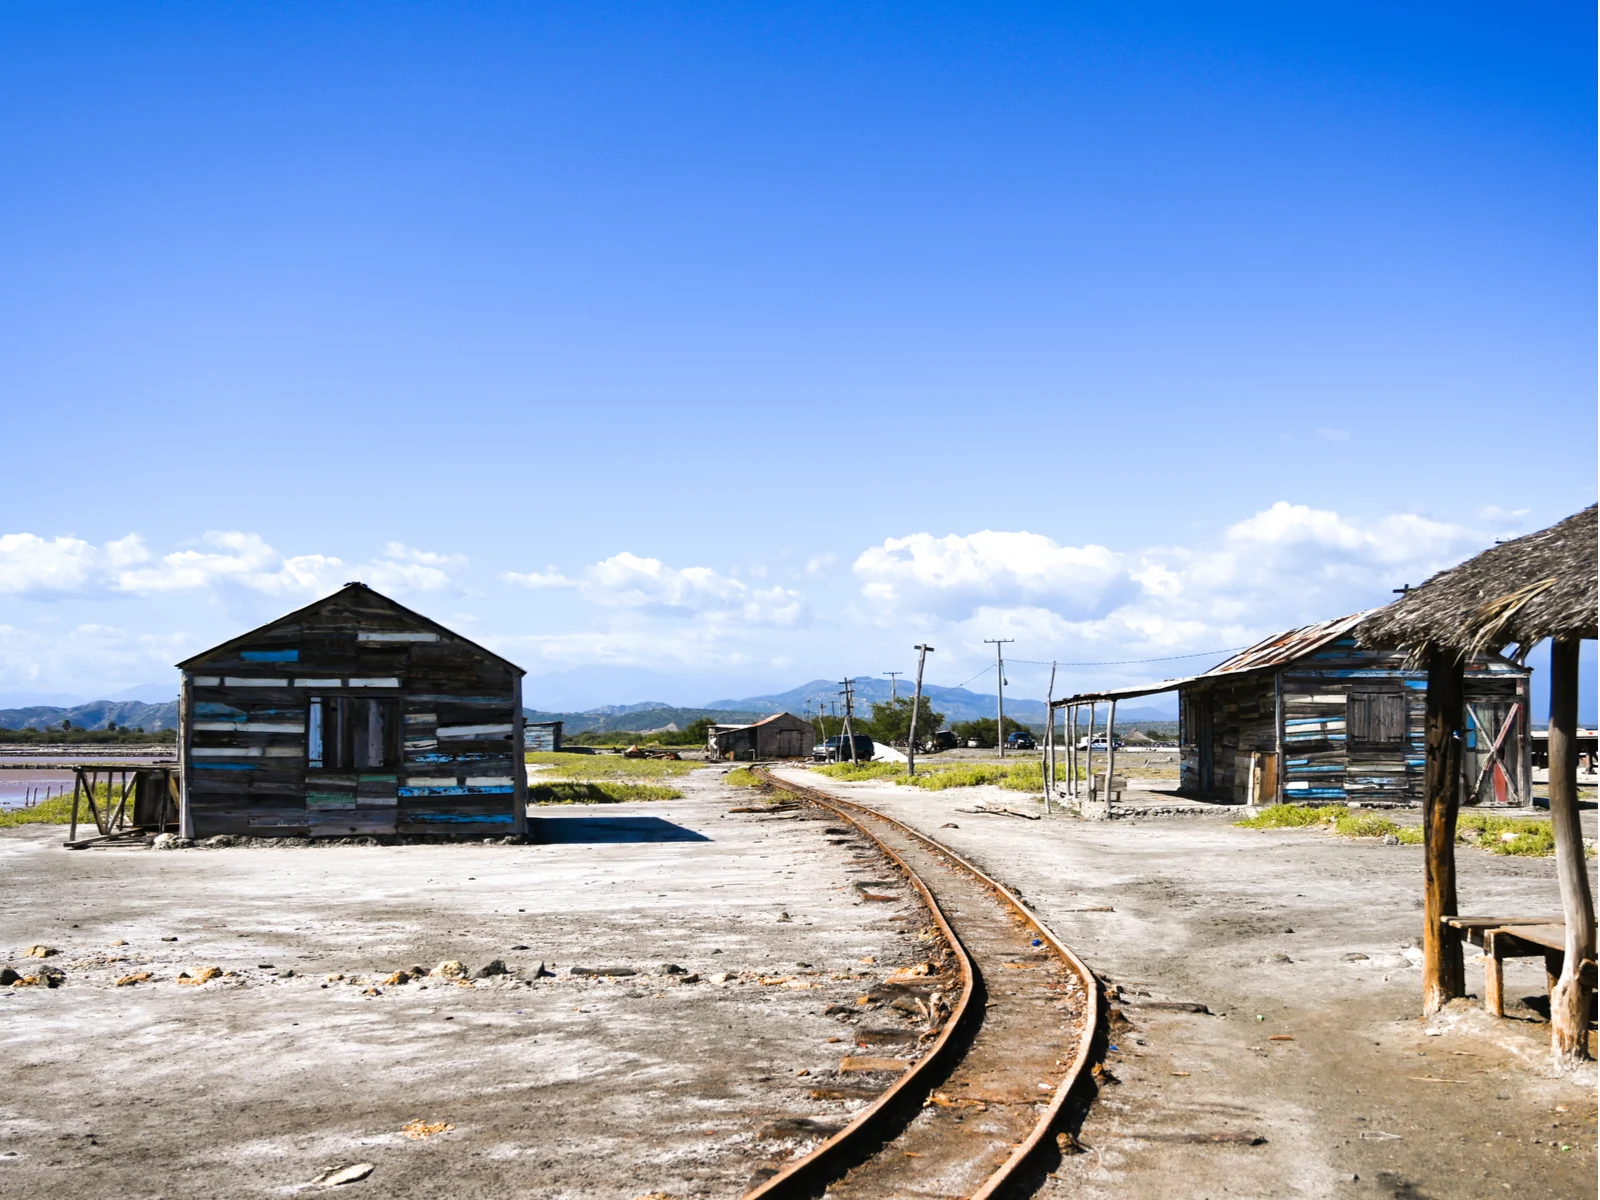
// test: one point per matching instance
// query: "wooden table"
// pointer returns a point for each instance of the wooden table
(1512, 937)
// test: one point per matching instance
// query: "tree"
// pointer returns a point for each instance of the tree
(65, 724)
(890, 722)
(982, 731)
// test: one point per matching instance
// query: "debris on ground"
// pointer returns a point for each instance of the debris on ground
(612, 972)
(418, 1129)
(204, 975)
(40, 952)
(450, 968)
(354, 1173)
(494, 967)
(137, 977)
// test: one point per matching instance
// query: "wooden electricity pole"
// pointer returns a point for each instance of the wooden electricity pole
(1000, 689)
(849, 718)
(894, 690)
(916, 700)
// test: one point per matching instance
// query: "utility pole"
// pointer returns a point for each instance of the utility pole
(849, 718)
(916, 699)
(1000, 688)
(894, 690)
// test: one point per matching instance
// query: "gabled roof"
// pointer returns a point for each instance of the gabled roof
(317, 605)
(1269, 652)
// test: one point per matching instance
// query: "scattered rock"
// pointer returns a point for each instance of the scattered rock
(397, 978)
(8, 977)
(1389, 839)
(521, 947)
(169, 939)
(785, 917)
(492, 968)
(720, 977)
(165, 841)
(351, 1174)
(613, 972)
(949, 825)
(1355, 957)
(450, 968)
(204, 975)
(287, 973)
(671, 969)
(801, 1126)
(219, 842)
(1277, 958)
(41, 951)
(130, 980)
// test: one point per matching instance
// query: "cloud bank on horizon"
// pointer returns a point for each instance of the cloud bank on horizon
(1285, 565)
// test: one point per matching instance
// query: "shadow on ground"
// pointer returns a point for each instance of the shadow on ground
(596, 830)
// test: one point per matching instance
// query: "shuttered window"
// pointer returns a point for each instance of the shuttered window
(352, 733)
(1376, 718)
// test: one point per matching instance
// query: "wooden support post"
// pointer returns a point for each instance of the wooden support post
(1442, 966)
(1570, 997)
(1111, 752)
(77, 781)
(1088, 761)
(1494, 979)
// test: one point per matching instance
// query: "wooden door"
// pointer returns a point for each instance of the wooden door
(1203, 730)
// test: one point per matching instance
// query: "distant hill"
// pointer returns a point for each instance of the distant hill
(631, 718)
(97, 714)
(957, 704)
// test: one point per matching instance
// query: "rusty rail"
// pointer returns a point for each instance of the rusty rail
(859, 1140)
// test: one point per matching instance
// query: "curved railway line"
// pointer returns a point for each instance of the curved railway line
(966, 1118)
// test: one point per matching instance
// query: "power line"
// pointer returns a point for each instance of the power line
(1124, 662)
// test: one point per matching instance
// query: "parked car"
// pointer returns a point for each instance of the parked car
(1020, 739)
(1099, 743)
(837, 749)
(944, 740)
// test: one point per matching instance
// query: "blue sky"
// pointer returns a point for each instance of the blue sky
(682, 352)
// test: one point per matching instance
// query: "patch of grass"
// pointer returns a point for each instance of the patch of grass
(605, 792)
(55, 811)
(607, 766)
(744, 777)
(854, 772)
(1527, 836)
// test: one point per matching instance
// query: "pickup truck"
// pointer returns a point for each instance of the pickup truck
(837, 749)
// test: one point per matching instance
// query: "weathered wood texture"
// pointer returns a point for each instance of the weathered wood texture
(1352, 728)
(782, 735)
(352, 716)
(1442, 966)
(1571, 996)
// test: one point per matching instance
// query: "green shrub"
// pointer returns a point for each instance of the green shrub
(606, 766)
(574, 792)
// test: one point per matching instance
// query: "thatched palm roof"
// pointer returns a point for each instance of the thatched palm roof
(1520, 591)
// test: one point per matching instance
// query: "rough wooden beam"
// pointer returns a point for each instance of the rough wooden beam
(1570, 998)
(1442, 967)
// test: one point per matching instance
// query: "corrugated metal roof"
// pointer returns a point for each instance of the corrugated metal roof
(1270, 652)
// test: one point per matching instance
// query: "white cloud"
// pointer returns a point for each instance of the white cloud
(1285, 566)
(70, 567)
(401, 552)
(629, 581)
(951, 574)
(91, 658)
(1329, 434)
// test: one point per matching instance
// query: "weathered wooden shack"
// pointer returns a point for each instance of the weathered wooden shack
(782, 735)
(1308, 715)
(353, 715)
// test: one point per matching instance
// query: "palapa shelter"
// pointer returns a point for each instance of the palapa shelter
(1309, 716)
(1517, 593)
(782, 735)
(353, 715)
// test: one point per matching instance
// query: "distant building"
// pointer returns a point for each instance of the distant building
(1307, 715)
(782, 735)
(543, 735)
(353, 715)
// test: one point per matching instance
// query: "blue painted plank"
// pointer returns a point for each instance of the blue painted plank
(270, 655)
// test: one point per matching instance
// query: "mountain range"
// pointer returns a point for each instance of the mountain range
(956, 704)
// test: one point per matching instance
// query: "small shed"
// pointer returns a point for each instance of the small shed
(782, 735)
(1308, 715)
(543, 735)
(353, 715)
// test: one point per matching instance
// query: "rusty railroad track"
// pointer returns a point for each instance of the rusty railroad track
(970, 1116)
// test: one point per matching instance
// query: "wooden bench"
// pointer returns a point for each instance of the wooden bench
(1512, 937)
(1098, 789)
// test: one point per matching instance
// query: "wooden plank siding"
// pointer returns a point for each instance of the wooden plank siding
(352, 716)
(1351, 725)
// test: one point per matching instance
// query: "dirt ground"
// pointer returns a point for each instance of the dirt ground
(1301, 945)
(260, 1082)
